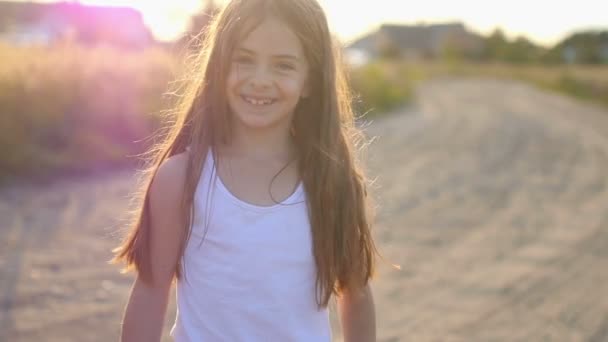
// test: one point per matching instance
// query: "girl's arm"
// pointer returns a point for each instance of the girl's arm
(145, 312)
(357, 315)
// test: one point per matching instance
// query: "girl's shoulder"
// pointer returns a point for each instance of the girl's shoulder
(165, 194)
(173, 167)
(168, 177)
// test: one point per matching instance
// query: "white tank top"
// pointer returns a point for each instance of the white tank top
(253, 276)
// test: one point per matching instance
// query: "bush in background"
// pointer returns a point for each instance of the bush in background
(76, 108)
(383, 86)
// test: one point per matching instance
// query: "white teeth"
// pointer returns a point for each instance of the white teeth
(257, 102)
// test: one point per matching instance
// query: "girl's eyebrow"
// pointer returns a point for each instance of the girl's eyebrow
(280, 56)
(245, 50)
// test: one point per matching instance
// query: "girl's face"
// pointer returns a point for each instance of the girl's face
(267, 77)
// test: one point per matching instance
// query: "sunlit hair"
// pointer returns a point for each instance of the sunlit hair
(328, 145)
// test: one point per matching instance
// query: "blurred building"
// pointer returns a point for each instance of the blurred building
(25, 23)
(416, 42)
(584, 47)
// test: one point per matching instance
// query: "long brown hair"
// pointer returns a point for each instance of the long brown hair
(327, 141)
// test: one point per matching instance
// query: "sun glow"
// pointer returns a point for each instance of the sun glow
(166, 19)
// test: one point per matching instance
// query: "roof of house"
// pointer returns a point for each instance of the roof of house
(410, 36)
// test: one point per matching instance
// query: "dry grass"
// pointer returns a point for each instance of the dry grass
(71, 107)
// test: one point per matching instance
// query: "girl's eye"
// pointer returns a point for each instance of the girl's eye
(285, 66)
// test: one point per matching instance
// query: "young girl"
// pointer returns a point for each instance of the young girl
(256, 203)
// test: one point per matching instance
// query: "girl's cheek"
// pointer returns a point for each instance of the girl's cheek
(294, 85)
(238, 72)
(231, 81)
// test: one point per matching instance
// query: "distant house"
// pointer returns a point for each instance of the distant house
(576, 54)
(583, 47)
(416, 42)
(604, 53)
(569, 54)
(50, 23)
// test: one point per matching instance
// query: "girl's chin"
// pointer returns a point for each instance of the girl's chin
(255, 120)
(258, 121)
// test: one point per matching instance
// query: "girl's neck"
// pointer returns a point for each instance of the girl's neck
(268, 145)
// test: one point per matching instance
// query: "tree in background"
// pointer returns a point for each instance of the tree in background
(522, 50)
(495, 46)
(587, 47)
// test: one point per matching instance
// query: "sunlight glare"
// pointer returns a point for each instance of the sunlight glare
(166, 19)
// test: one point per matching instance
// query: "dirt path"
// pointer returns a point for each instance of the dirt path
(493, 199)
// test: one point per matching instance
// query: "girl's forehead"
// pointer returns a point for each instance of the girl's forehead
(271, 36)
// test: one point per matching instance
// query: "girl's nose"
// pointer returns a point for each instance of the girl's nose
(261, 78)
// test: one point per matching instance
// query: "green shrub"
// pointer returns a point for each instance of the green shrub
(73, 107)
(380, 87)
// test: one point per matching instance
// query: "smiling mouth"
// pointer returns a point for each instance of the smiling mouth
(258, 101)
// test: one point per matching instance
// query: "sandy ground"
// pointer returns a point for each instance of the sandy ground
(492, 197)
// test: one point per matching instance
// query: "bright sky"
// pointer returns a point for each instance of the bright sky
(543, 21)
